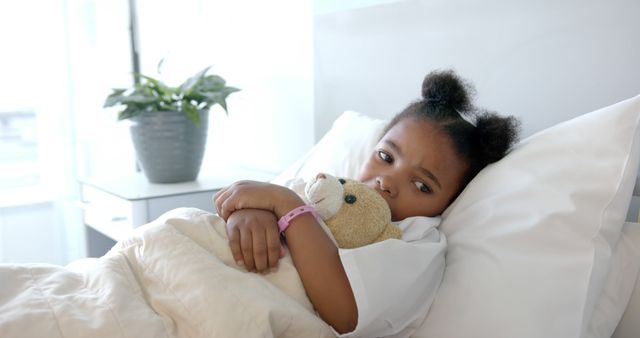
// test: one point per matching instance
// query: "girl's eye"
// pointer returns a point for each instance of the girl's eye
(423, 187)
(384, 156)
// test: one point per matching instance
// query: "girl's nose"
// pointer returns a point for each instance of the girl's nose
(386, 185)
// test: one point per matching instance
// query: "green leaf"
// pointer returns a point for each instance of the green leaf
(155, 85)
(192, 112)
(114, 98)
(198, 93)
(220, 97)
(137, 98)
(167, 106)
(148, 79)
(229, 90)
(193, 81)
(211, 83)
(128, 113)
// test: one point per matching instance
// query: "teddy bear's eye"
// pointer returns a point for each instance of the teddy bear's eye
(350, 199)
(342, 181)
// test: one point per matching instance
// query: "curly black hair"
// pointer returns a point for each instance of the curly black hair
(480, 137)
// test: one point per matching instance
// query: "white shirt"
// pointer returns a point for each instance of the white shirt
(395, 281)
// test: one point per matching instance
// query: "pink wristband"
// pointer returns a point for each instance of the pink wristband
(283, 223)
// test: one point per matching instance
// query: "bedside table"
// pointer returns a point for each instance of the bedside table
(114, 206)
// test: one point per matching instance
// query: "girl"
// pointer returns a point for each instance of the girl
(427, 155)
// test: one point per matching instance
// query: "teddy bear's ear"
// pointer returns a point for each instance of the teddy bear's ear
(390, 231)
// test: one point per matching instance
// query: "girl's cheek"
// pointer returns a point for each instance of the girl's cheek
(364, 173)
(363, 178)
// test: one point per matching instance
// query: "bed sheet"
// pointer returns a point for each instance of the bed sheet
(174, 277)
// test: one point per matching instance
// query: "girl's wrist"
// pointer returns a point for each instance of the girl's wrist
(292, 215)
(289, 201)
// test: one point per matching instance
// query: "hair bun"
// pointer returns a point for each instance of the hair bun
(444, 89)
(495, 135)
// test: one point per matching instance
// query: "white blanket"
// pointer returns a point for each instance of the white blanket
(174, 277)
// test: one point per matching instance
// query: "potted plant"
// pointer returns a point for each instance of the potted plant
(169, 128)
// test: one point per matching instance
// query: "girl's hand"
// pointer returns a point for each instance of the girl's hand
(313, 253)
(256, 195)
(254, 239)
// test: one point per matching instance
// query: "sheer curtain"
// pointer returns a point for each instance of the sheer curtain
(59, 59)
(35, 213)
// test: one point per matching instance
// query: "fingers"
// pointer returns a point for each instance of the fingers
(234, 244)
(228, 207)
(245, 194)
(273, 247)
(246, 244)
(218, 199)
(266, 250)
(254, 240)
(227, 200)
(260, 251)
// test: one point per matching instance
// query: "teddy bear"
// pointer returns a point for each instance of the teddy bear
(354, 213)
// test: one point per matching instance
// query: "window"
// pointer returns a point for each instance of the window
(19, 164)
(18, 148)
(57, 66)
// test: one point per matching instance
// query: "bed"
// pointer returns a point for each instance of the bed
(538, 246)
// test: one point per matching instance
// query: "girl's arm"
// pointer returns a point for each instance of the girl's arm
(318, 263)
(314, 254)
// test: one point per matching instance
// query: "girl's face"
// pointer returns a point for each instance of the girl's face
(415, 168)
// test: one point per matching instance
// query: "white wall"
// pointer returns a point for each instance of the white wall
(265, 48)
(545, 61)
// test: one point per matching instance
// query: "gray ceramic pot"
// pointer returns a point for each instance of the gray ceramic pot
(169, 145)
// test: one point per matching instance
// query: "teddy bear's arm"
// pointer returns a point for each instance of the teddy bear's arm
(390, 231)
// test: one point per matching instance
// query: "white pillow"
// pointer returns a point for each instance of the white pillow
(530, 238)
(629, 326)
(341, 151)
(353, 136)
(619, 285)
